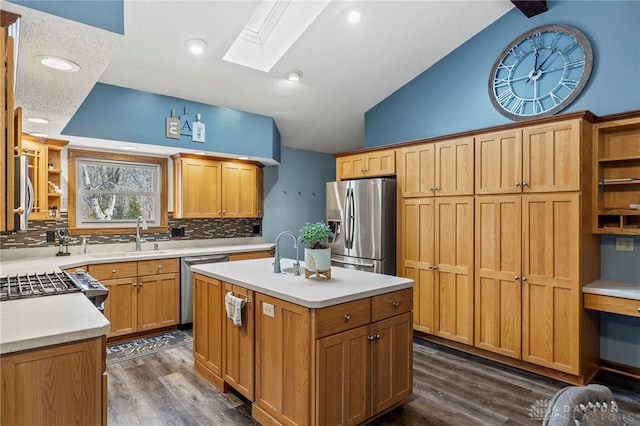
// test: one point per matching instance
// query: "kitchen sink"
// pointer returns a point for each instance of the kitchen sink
(126, 254)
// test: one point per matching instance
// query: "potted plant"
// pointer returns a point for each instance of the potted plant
(317, 256)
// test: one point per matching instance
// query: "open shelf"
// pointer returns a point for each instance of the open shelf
(617, 176)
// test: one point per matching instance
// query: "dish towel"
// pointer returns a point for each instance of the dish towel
(234, 306)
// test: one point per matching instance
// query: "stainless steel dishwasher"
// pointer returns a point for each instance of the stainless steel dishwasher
(186, 284)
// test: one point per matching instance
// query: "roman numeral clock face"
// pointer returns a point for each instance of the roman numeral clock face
(541, 72)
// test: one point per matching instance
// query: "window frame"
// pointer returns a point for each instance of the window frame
(74, 155)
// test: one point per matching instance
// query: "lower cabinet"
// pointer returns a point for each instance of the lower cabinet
(63, 385)
(339, 365)
(143, 295)
(238, 358)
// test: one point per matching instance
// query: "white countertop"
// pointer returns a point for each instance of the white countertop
(345, 284)
(48, 320)
(623, 289)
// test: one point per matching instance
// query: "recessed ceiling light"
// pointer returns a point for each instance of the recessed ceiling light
(39, 135)
(129, 148)
(355, 15)
(197, 46)
(294, 75)
(38, 120)
(57, 63)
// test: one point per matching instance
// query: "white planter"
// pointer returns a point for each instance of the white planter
(317, 259)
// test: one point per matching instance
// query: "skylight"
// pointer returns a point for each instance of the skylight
(271, 31)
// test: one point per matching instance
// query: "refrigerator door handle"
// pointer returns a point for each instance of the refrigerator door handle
(347, 217)
(351, 218)
(369, 265)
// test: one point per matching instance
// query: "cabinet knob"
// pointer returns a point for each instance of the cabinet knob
(113, 271)
(159, 266)
(347, 318)
(517, 183)
(525, 183)
(435, 266)
(516, 278)
(135, 284)
(524, 279)
(377, 337)
(396, 305)
(219, 211)
(638, 309)
(435, 188)
(431, 188)
(140, 284)
(224, 211)
(370, 338)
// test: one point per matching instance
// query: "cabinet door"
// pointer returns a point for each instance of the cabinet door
(283, 360)
(121, 307)
(550, 292)
(552, 157)
(416, 170)
(391, 362)
(454, 167)
(343, 378)
(158, 301)
(416, 250)
(350, 166)
(380, 163)
(57, 385)
(239, 197)
(238, 345)
(454, 263)
(37, 155)
(499, 162)
(199, 189)
(207, 323)
(498, 298)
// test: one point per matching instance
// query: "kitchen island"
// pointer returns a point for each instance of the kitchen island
(308, 352)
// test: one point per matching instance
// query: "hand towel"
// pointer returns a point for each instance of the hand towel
(234, 306)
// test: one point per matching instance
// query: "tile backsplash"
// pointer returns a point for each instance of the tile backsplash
(194, 229)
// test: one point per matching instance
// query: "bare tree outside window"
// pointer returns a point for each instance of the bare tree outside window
(116, 192)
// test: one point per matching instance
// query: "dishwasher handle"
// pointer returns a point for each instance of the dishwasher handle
(195, 260)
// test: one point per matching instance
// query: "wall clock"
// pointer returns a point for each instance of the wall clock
(540, 72)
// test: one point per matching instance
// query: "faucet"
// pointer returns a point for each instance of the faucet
(139, 240)
(276, 263)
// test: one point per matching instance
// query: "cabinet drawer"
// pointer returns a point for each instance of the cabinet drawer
(249, 255)
(107, 271)
(337, 318)
(158, 266)
(616, 305)
(390, 304)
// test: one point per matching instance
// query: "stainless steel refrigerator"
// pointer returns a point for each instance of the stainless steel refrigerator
(362, 216)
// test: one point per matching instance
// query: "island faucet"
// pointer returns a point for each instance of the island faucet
(276, 263)
(139, 240)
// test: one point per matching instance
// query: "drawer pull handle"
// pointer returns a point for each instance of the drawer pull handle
(396, 305)
(347, 318)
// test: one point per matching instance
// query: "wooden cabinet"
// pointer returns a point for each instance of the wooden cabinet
(437, 254)
(375, 163)
(63, 384)
(541, 158)
(442, 168)
(616, 178)
(352, 361)
(208, 300)
(143, 295)
(238, 345)
(45, 174)
(209, 188)
(250, 255)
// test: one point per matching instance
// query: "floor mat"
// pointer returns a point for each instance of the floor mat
(123, 351)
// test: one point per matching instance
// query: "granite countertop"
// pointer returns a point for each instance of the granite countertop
(48, 320)
(345, 285)
(614, 288)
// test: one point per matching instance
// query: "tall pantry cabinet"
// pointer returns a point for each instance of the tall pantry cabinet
(494, 228)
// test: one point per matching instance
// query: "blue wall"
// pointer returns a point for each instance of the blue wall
(294, 193)
(121, 114)
(452, 96)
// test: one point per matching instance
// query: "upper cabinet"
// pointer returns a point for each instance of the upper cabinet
(542, 158)
(209, 188)
(436, 169)
(616, 177)
(378, 163)
(45, 175)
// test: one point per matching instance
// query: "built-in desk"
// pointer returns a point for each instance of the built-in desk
(618, 297)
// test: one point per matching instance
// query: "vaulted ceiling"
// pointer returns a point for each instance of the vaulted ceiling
(347, 68)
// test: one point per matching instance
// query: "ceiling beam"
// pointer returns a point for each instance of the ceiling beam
(531, 7)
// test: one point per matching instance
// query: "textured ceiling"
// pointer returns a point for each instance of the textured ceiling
(347, 68)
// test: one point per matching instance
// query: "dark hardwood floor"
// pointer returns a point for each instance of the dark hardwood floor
(450, 388)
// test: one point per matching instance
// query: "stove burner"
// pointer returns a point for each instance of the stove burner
(33, 285)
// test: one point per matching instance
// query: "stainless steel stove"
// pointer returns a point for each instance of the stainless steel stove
(52, 283)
